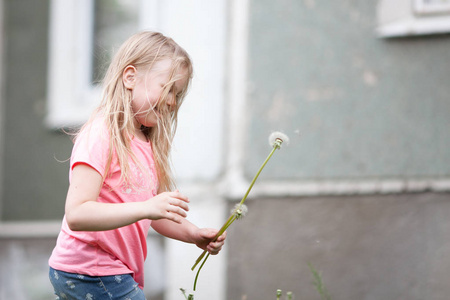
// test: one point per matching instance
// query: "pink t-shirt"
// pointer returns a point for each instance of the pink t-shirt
(118, 251)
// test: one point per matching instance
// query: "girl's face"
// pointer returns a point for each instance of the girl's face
(147, 88)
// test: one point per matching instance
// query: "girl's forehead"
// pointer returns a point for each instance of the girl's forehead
(163, 69)
(164, 65)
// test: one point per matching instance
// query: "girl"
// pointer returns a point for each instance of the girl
(120, 177)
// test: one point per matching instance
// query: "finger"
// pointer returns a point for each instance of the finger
(173, 217)
(178, 195)
(179, 203)
(216, 245)
(212, 250)
(208, 234)
(176, 210)
(222, 237)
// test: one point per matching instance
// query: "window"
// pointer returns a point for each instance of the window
(413, 17)
(431, 6)
(114, 21)
(82, 35)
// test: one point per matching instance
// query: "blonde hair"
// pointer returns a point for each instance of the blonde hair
(142, 50)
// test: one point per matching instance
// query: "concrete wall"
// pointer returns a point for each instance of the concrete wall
(356, 106)
(361, 112)
(365, 247)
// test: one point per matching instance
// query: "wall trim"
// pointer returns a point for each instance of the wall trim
(339, 187)
(409, 18)
(33, 229)
(234, 178)
(2, 96)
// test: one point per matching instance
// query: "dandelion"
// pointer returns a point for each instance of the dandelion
(276, 139)
(278, 294)
(239, 211)
(289, 295)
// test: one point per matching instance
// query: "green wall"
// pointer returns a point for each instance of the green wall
(354, 105)
(35, 180)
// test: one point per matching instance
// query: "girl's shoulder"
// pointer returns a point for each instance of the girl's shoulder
(93, 136)
(96, 127)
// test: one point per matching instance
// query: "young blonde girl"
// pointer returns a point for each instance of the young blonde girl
(120, 177)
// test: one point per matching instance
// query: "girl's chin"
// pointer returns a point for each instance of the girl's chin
(148, 121)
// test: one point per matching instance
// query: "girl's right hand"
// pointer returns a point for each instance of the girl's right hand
(168, 205)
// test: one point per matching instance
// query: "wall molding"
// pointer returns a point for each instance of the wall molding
(29, 229)
(2, 97)
(337, 187)
(410, 18)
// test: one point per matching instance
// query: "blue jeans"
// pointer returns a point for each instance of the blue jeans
(73, 286)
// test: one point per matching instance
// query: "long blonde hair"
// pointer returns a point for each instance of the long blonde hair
(142, 50)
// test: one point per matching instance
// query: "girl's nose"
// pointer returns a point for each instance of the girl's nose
(171, 101)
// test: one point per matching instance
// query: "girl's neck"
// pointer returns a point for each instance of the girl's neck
(139, 134)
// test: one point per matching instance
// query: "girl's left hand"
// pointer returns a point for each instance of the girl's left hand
(204, 240)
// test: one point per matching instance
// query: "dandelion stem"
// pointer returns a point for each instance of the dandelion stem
(289, 295)
(276, 145)
(278, 294)
(198, 272)
(221, 231)
(232, 217)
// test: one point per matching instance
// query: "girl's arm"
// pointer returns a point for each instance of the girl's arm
(84, 213)
(189, 233)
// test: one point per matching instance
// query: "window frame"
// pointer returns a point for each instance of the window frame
(71, 94)
(401, 18)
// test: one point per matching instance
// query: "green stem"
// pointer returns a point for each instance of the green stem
(184, 293)
(278, 294)
(198, 272)
(289, 295)
(233, 216)
(221, 231)
(275, 147)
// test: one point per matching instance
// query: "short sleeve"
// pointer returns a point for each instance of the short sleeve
(92, 147)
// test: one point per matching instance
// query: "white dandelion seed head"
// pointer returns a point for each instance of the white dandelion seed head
(239, 210)
(276, 137)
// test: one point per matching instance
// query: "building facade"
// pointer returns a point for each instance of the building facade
(361, 193)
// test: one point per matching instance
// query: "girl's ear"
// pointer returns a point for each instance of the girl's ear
(129, 77)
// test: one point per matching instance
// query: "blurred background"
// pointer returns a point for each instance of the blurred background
(361, 192)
